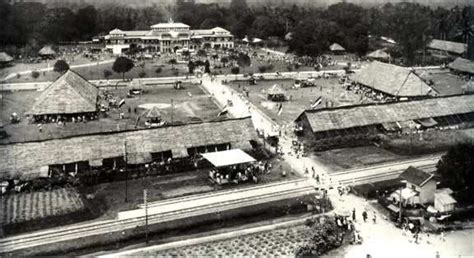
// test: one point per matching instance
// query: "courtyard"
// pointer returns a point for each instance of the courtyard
(298, 99)
(186, 105)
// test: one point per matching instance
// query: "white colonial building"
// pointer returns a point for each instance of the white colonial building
(167, 38)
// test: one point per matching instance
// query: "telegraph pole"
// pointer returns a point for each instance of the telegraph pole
(172, 109)
(145, 200)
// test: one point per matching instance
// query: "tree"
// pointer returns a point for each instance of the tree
(191, 67)
(172, 62)
(262, 68)
(86, 21)
(224, 60)
(207, 66)
(122, 65)
(186, 54)
(243, 61)
(201, 52)
(158, 70)
(35, 75)
(456, 169)
(235, 70)
(107, 74)
(142, 74)
(61, 66)
(326, 237)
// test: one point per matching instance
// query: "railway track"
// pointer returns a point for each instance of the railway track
(295, 189)
(383, 172)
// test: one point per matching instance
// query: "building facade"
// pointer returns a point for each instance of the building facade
(167, 38)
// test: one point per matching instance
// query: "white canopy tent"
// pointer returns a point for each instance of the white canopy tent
(228, 158)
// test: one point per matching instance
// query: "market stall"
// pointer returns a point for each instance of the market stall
(231, 166)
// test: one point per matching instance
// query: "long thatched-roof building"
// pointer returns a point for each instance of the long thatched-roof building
(70, 95)
(392, 80)
(386, 117)
(462, 66)
(34, 159)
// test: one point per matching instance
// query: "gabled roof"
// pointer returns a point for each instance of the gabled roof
(116, 31)
(47, 51)
(170, 25)
(69, 94)
(444, 198)
(276, 89)
(28, 156)
(391, 79)
(336, 47)
(462, 65)
(228, 157)
(344, 117)
(4, 57)
(416, 176)
(448, 46)
(153, 112)
(379, 53)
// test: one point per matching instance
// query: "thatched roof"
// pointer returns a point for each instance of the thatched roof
(336, 47)
(153, 113)
(27, 157)
(5, 58)
(462, 65)
(448, 46)
(276, 90)
(372, 114)
(392, 80)
(379, 54)
(47, 51)
(69, 94)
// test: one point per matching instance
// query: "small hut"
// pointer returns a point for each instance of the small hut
(336, 48)
(47, 52)
(379, 54)
(153, 117)
(5, 58)
(276, 93)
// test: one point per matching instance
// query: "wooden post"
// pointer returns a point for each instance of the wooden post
(145, 201)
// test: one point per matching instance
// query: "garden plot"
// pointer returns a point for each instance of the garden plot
(281, 242)
(19, 208)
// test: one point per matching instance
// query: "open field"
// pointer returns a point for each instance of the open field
(329, 89)
(23, 207)
(358, 157)
(189, 105)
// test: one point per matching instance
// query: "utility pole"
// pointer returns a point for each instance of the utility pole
(145, 201)
(126, 172)
(400, 207)
(172, 109)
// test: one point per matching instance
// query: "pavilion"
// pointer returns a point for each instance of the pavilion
(69, 97)
(336, 48)
(5, 58)
(47, 52)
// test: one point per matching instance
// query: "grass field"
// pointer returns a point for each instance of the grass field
(329, 89)
(189, 105)
(358, 157)
(18, 208)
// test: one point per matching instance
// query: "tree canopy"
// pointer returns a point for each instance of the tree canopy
(456, 169)
(122, 65)
(61, 66)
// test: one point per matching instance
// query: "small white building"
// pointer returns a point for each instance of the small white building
(443, 201)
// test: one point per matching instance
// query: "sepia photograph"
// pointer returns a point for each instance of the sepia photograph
(237, 128)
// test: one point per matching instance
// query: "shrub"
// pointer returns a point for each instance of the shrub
(262, 68)
(289, 68)
(35, 74)
(18, 76)
(141, 74)
(158, 70)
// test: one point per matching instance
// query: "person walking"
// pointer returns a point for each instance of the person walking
(353, 214)
(364, 215)
(375, 218)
